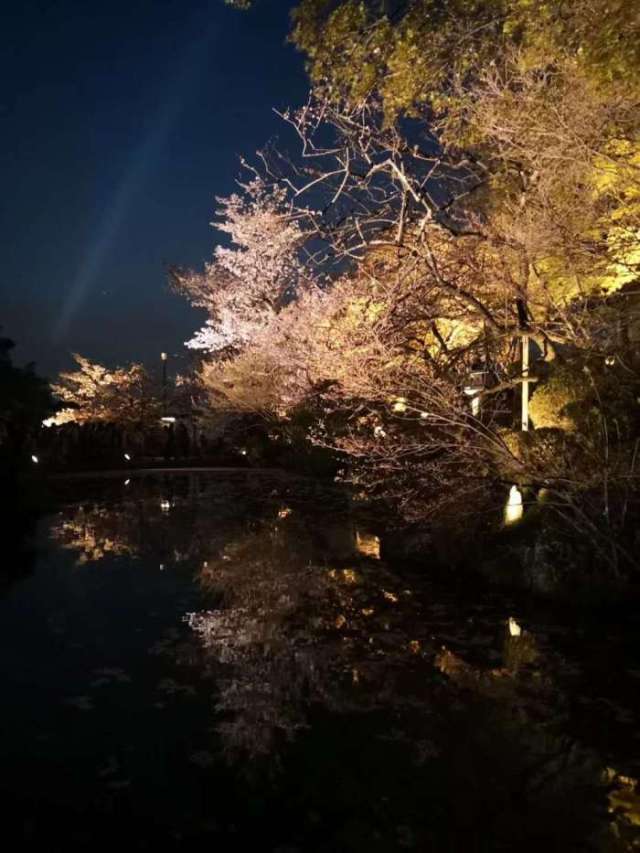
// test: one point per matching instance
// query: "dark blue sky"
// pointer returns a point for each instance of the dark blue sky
(120, 123)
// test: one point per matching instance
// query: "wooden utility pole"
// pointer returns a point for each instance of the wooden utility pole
(523, 322)
(525, 382)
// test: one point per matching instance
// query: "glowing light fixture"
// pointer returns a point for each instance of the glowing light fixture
(165, 505)
(610, 360)
(163, 356)
(127, 457)
(34, 458)
(514, 629)
(474, 389)
(368, 545)
(243, 452)
(168, 419)
(514, 509)
(126, 482)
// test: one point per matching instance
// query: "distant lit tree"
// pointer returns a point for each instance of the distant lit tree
(96, 394)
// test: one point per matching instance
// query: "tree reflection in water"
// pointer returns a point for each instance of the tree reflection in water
(291, 636)
(387, 705)
(291, 632)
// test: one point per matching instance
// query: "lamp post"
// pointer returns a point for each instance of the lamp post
(474, 387)
(163, 358)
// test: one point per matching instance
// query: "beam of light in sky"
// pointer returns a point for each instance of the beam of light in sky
(137, 171)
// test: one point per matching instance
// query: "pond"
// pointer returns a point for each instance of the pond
(224, 659)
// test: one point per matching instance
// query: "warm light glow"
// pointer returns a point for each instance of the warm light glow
(163, 356)
(168, 419)
(514, 629)
(368, 544)
(513, 510)
(35, 459)
(127, 457)
(126, 482)
(49, 422)
(285, 513)
(243, 452)
(165, 505)
(400, 404)
(610, 360)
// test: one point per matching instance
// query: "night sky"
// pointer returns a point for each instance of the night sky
(120, 123)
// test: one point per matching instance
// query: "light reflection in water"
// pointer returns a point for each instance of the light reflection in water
(301, 618)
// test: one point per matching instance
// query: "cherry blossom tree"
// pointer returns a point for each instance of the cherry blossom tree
(248, 282)
(94, 393)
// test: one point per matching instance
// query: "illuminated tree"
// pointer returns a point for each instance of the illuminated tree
(468, 180)
(419, 53)
(250, 281)
(94, 394)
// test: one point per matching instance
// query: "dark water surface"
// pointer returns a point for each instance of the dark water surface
(222, 661)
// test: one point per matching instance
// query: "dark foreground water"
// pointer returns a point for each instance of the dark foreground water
(222, 661)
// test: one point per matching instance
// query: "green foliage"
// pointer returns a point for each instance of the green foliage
(344, 44)
(419, 53)
(588, 397)
(547, 453)
(559, 401)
